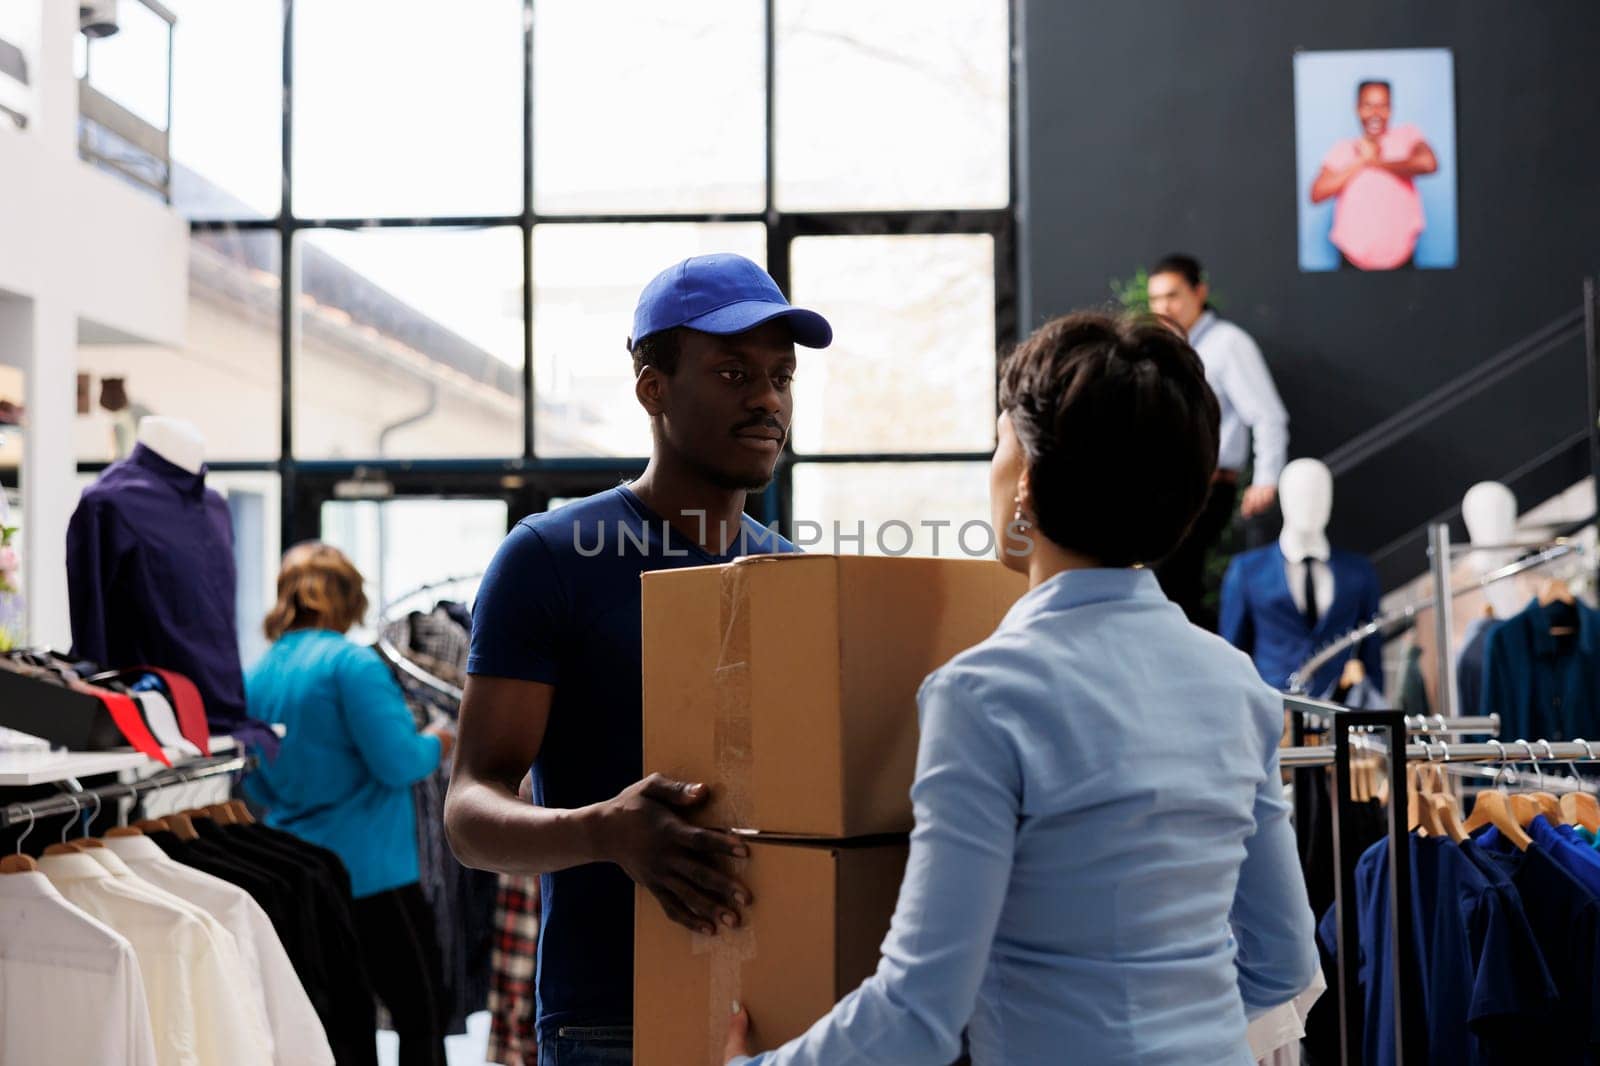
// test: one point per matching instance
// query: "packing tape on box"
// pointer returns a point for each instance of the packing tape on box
(733, 743)
(733, 740)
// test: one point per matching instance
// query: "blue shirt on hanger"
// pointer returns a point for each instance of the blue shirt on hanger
(1565, 919)
(1542, 685)
(1478, 964)
(1579, 861)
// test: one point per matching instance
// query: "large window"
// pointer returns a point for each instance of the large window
(418, 243)
(410, 343)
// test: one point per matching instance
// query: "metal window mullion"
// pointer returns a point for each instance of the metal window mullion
(287, 301)
(529, 386)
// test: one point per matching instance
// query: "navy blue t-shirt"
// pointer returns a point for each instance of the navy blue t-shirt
(1483, 979)
(560, 605)
(1566, 922)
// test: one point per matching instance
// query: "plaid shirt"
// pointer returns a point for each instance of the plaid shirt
(513, 1037)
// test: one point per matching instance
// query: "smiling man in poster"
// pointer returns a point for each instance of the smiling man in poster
(1378, 215)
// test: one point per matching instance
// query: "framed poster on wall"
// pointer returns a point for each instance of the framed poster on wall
(1375, 142)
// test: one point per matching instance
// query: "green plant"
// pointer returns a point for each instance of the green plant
(1133, 294)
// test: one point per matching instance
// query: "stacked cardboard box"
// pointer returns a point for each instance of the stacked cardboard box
(789, 684)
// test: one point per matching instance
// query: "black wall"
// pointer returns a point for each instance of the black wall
(1151, 126)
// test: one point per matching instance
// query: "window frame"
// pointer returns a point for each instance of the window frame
(527, 481)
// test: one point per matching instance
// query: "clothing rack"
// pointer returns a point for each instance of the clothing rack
(1455, 757)
(1314, 712)
(1384, 623)
(386, 612)
(77, 800)
(1538, 752)
(397, 659)
(1346, 850)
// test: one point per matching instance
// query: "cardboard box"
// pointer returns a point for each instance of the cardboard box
(811, 936)
(788, 683)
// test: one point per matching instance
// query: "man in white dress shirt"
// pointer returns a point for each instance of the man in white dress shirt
(1250, 405)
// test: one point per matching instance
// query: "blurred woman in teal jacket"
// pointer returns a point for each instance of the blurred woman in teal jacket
(343, 778)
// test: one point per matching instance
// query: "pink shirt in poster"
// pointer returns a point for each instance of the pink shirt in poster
(1379, 214)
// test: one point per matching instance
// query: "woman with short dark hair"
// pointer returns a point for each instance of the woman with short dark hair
(1102, 869)
(343, 779)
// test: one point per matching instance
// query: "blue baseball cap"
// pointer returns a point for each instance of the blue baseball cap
(721, 294)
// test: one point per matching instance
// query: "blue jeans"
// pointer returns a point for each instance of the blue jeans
(588, 1045)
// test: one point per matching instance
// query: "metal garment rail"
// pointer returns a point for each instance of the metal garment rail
(1539, 752)
(1302, 677)
(1322, 712)
(72, 802)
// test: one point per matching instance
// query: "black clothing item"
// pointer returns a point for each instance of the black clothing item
(397, 939)
(1413, 689)
(352, 1018)
(1313, 615)
(328, 860)
(1183, 573)
(1371, 820)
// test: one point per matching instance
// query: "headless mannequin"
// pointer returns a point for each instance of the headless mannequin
(1490, 512)
(175, 440)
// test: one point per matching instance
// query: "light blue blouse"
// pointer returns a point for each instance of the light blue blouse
(1103, 868)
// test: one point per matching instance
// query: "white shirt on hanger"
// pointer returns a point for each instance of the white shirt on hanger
(196, 1017)
(70, 986)
(243, 985)
(298, 1038)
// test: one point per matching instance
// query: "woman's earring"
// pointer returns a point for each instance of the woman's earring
(1018, 522)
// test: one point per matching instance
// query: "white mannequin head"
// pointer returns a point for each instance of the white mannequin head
(1305, 493)
(1490, 512)
(177, 441)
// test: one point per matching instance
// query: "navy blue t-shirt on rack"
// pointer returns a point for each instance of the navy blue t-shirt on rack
(559, 605)
(1565, 919)
(1482, 978)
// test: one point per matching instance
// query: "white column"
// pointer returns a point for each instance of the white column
(56, 127)
(45, 331)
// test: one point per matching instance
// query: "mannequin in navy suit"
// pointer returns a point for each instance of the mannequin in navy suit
(1282, 602)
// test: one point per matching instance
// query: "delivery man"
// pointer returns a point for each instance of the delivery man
(554, 675)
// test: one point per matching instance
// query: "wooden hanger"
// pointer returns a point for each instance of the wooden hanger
(124, 831)
(1581, 808)
(1523, 809)
(241, 812)
(85, 844)
(1558, 591)
(181, 827)
(1548, 805)
(1444, 809)
(220, 813)
(20, 863)
(1413, 800)
(1493, 807)
(153, 825)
